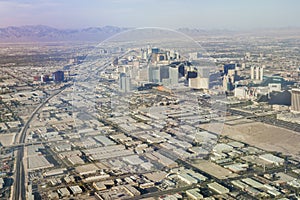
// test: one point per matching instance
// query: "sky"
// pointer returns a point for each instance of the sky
(202, 14)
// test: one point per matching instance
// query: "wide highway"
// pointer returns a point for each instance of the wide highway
(19, 183)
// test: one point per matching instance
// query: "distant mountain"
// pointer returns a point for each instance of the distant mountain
(41, 33)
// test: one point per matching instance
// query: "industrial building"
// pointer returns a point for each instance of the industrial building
(99, 185)
(194, 194)
(272, 159)
(55, 172)
(38, 162)
(63, 192)
(220, 189)
(87, 169)
(76, 189)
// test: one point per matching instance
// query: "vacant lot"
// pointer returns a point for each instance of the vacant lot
(264, 136)
(7, 139)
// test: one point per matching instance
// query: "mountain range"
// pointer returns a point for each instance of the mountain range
(42, 33)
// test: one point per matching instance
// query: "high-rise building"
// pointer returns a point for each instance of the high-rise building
(257, 73)
(248, 55)
(45, 78)
(173, 72)
(232, 74)
(58, 76)
(191, 74)
(243, 66)
(199, 83)
(204, 83)
(261, 74)
(153, 74)
(143, 74)
(164, 72)
(194, 83)
(252, 72)
(155, 50)
(125, 82)
(181, 70)
(295, 100)
(203, 72)
(228, 67)
(228, 83)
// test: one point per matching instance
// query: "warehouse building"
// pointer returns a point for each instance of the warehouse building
(220, 189)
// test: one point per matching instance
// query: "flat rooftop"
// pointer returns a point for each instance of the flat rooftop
(214, 169)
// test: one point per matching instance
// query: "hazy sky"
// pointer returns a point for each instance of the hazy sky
(205, 14)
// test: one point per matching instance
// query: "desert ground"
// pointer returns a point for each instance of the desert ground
(264, 136)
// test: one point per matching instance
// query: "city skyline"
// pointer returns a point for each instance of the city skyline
(136, 99)
(214, 14)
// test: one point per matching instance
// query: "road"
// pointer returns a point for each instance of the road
(19, 192)
(19, 184)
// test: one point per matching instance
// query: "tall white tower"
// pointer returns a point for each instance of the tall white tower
(252, 72)
(257, 73)
(261, 74)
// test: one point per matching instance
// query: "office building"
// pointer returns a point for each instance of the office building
(243, 66)
(191, 74)
(261, 73)
(252, 72)
(58, 76)
(228, 82)
(173, 71)
(143, 74)
(227, 67)
(164, 72)
(153, 74)
(257, 73)
(125, 83)
(204, 83)
(181, 70)
(155, 50)
(45, 78)
(199, 83)
(203, 72)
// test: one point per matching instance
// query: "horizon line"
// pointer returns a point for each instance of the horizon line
(131, 27)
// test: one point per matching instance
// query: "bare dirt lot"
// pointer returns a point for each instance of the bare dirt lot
(7, 139)
(264, 136)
